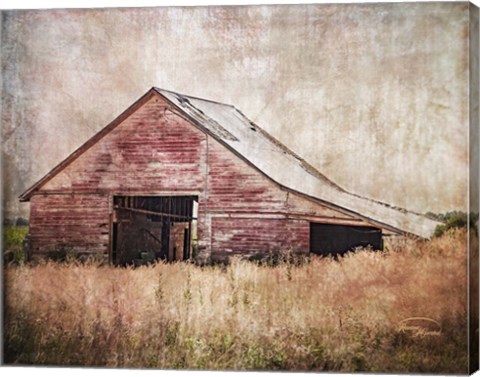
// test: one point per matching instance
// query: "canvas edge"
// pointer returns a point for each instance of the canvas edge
(2, 208)
(473, 195)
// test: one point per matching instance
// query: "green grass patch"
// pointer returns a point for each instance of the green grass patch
(13, 237)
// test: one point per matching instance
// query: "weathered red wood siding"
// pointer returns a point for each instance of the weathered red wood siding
(233, 236)
(233, 185)
(157, 152)
(237, 189)
(153, 150)
(70, 223)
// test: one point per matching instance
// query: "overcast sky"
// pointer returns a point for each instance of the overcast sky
(374, 96)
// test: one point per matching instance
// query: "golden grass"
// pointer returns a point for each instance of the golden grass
(402, 310)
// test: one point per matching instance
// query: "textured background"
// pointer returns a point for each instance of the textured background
(375, 96)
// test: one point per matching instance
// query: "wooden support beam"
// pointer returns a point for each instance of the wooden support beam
(155, 213)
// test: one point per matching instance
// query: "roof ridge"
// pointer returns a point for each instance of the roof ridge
(160, 90)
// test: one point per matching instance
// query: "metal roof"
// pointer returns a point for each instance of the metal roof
(233, 129)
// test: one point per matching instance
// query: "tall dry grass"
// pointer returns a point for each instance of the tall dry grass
(403, 310)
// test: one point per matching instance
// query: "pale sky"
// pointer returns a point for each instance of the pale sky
(374, 96)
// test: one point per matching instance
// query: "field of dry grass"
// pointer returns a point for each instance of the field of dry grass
(402, 310)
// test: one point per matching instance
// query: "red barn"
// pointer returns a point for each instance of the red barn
(177, 177)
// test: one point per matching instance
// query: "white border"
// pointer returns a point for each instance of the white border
(49, 4)
(52, 4)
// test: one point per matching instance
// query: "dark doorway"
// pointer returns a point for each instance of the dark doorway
(150, 228)
(332, 239)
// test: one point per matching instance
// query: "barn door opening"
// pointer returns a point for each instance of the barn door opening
(333, 239)
(150, 228)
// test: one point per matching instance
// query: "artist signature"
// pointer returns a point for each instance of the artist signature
(420, 326)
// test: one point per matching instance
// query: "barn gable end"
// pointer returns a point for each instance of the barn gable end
(148, 151)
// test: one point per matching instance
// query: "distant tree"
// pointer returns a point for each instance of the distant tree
(452, 220)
